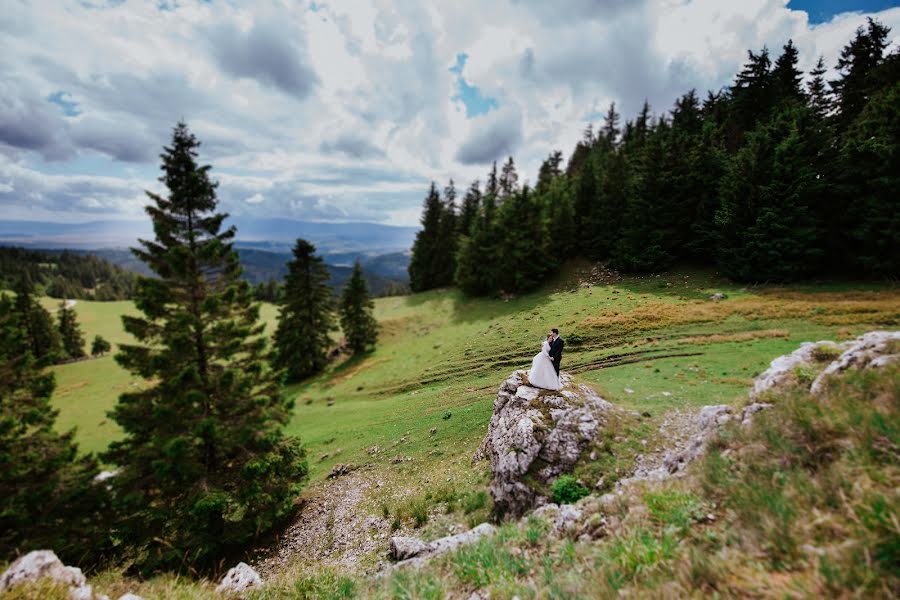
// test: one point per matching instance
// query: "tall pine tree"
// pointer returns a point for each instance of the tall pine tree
(424, 257)
(305, 315)
(47, 494)
(70, 332)
(357, 321)
(204, 465)
(42, 337)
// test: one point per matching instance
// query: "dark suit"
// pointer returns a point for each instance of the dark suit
(556, 349)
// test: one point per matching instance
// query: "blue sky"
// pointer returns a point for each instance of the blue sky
(820, 11)
(339, 112)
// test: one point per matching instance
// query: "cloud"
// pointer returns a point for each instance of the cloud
(352, 145)
(346, 111)
(266, 53)
(493, 136)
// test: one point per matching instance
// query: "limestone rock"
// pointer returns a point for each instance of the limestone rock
(531, 426)
(413, 552)
(239, 579)
(403, 547)
(341, 469)
(37, 565)
(780, 369)
(871, 350)
(130, 596)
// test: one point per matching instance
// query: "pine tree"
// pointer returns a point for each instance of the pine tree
(305, 317)
(858, 66)
(768, 230)
(47, 494)
(70, 332)
(869, 159)
(360, 327)
(470, 207)
(550, 170)
(444, 265)
(816, 89)
(475, 270)
(509, 179)
(786, 77)
(610, 131)
(559, 216)
(204, 465)
(522, 263)
(99, 346)
(43, 340)
(424, 251)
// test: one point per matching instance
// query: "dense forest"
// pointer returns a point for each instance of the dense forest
(774, 178)
(66, 274)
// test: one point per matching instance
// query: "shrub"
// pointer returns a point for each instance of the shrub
(567, 490)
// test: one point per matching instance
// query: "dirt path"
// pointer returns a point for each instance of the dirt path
(332, 528)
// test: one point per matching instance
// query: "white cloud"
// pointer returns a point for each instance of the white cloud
(345, 112)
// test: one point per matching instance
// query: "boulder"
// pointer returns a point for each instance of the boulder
(239, 579)
(782, 368)
(871, 350)
(130, 596)
(403, 547)
(414, 552)
(536, 434)
(39, 564)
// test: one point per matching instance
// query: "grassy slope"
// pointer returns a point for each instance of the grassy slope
(648, 343)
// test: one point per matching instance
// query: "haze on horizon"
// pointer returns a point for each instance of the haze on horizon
(312, 111)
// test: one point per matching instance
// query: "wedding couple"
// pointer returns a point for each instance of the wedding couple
(544, 371)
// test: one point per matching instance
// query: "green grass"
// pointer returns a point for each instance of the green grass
(441, 353)
(438, 363)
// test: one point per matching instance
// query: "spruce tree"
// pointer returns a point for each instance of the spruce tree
(470, 207)
(360, 327)
(70, 332)
(204, 465)
(424, 251)
(99, 346)
(47, 494)
(509, 179)
(444, 259)
(858, 67)
(817, 90)
(767, 227)
(475, 269)
(305, 315)
(37, 325)
(522, 262)
(786, 77)
(869, 159)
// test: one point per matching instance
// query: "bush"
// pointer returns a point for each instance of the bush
(567, 490)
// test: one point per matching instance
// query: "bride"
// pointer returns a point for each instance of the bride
(542, 373)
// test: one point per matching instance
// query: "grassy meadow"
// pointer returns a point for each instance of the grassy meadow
(649, 344)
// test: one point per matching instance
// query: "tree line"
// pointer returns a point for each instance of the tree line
(204, 466)
(66, 274)
(769, 179)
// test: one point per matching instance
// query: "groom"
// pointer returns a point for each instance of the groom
(556, 348)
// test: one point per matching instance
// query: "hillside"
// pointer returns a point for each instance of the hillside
(654, 345)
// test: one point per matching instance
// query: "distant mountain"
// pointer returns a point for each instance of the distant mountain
(277, 235)
(383, 272)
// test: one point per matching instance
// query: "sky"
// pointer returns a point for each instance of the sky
(345, 111)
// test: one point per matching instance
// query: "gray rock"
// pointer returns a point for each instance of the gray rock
(747, 413)
(529, 425)
(130, 596)
(781, 368)
(37, 565)
(718, 296)
(403, 547)
(414, 552)
(870, 350)
(239, 579)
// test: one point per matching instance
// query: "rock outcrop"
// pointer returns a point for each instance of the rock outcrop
(40, 564)
(412, 551)
(239, 579)
(869, 351)
(536, 434)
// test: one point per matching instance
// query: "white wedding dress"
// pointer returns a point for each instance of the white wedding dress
(542, 373)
